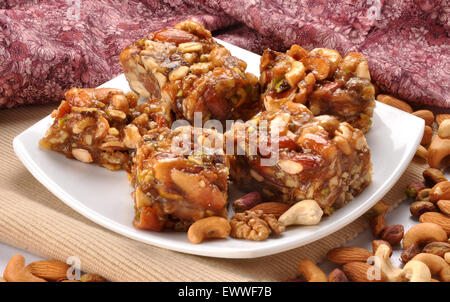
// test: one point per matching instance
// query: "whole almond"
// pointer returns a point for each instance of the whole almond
(442, 117)
(393, 234)
(437, 218)
(441, 191)
(343, 255)
(337, 276)
(394, 102)
(444, 206)
(426, 115)
(275, 208)
(50, 270)
(359, 271)
(427, 135)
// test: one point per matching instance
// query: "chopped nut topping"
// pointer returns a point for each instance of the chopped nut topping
(82, 155)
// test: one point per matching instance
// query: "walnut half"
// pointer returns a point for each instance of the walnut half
(254, 225)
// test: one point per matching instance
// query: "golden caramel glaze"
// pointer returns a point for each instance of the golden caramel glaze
(179, 178)
(319, 157)
(102, 125)
(322, 80)
(192, 73)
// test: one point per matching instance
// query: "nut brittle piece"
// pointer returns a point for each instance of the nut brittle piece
(102, 125)
(192, 73)
(179, 176)
(322, 80)
(289, 155)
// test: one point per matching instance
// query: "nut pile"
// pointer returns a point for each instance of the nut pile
(42, 271)
(425, 246)
(433, 148)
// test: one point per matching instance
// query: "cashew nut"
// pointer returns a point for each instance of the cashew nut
(16, 271)
(423, 233)
(388, 271)
(311, 271)
(437, 265)
(438, 150)
(305, 212)
(447, 257)
(416, 271)
(444, 129)
(208, 228)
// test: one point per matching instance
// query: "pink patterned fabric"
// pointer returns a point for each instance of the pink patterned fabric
(47, 46)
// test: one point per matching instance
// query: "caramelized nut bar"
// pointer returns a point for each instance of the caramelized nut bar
(322, 80)
(173, 189)
(319, 157)
(185, 67)
(102, 125)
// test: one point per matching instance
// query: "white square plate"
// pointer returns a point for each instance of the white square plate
(104, 196)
